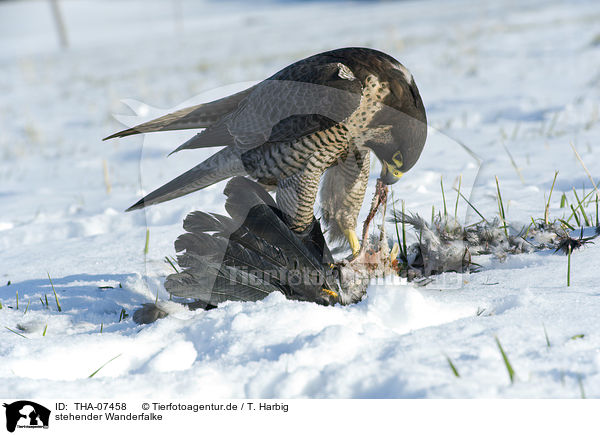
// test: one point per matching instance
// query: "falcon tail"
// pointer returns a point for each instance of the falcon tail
(200, 116)
(220, 166)
(248, 255)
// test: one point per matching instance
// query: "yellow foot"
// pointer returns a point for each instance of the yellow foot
(353, 240)
(330, 292)
(394, 252)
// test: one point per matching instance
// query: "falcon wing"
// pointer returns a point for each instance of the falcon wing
(295, 102)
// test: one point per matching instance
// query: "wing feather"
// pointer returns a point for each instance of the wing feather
(199, 116)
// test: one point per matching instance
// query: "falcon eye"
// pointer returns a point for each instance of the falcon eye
(397, 174)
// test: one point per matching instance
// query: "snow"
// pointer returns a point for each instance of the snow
(516, 76)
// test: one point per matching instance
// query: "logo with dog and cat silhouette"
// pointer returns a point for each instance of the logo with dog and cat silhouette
(26, 414)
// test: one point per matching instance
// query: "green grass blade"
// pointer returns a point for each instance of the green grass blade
(104, 365)
(55, 295)
(566, 224)
(168, 260)
(511, 372)
(457, 198)
(501, 208)
(452, 367)
(443, 196)
(401, 245)
(547, 209)
(546, 335)
(45, 329)
(575, 215)
(15, 332)
(585, 218)
(473, 207)
(147, 245)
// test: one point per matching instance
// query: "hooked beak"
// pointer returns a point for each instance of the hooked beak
(388, 174)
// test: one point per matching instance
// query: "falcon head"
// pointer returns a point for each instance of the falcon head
(398, 130)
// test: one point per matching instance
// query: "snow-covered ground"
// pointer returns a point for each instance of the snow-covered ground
(508, 78)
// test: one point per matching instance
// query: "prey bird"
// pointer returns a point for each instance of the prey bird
(311, 125)
(250, 253)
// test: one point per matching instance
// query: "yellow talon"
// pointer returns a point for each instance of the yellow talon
(394, 251)
(329, 292)
(353, 239)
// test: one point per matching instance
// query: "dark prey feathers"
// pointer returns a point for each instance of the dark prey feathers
(249, 254)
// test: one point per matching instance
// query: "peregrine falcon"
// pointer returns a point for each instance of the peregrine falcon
(313, 124)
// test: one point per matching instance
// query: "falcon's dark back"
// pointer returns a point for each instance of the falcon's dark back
(404, 97)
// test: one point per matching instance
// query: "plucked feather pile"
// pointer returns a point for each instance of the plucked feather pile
(444, 245)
